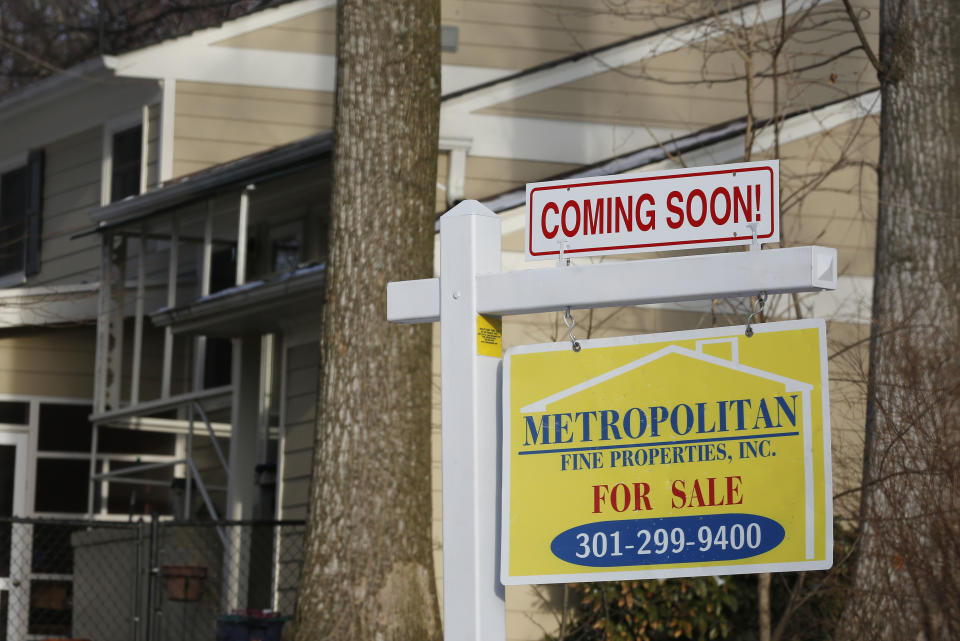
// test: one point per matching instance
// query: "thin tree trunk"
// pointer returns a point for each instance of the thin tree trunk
(368, 571)
(907, 583)
(763, 606)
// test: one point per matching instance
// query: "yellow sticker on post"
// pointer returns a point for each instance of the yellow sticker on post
(681, 454)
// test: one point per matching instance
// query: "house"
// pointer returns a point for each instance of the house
(161, 214)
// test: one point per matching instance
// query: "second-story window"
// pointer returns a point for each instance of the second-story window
(13, 218)
(126, 163)
(21, 198)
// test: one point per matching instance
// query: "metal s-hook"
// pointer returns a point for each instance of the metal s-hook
(564, 261)
(757, 310)
(570, 323)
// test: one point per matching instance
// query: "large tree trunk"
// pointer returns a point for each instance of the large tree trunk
(908, 571)
(368, 572)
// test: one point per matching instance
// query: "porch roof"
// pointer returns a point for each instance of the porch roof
(258, 307)
(272, 163)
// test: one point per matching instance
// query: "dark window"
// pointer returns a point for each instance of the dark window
(127, 153)
(52, 551)
(286, 254)
(130, 498)
(7, 479)
(21, 202)
(50, 607)
(13, 219)
(14, 412)
(112, 440)
(4, 596)
(223, 269)
(62, 485)
(64, 428)
(217, 365)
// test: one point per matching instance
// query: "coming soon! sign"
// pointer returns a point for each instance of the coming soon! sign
(675, 209)
(681, 454)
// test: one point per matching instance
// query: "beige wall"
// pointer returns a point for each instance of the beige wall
(47, 362)
(300, 399)
(72, 168)
(216, 123)
(828, 190)
(511, 34)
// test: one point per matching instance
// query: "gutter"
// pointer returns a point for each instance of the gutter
(272, 163)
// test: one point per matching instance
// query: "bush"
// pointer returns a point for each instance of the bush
(706, 608)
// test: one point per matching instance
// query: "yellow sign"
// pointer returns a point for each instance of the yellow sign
(489, 336)
(680, 454)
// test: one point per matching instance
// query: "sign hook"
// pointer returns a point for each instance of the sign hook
(564, 261)
(570, 323)
(757, 310)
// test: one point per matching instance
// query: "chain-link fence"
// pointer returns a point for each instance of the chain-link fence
(142, 581)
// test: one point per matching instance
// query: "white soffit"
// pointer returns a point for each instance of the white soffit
(199, 57)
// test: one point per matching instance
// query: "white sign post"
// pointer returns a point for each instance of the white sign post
(471, 284)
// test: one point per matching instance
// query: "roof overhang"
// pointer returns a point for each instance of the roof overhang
(57, 86)
(273, 163)
(266, 306)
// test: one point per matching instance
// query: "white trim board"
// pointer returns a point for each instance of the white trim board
(270, 68)
(796, 128)
(544, 139)
(625, 54)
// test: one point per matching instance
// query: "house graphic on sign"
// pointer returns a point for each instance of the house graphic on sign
(732, 364)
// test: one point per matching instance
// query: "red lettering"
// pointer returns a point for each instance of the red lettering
(696, 193)
(711, 490)
(593, 221)
(598, 498)
(640, 493)
(679, 492)
(740, 205)
(543, 220)
(567, 206)
(624, 214)
(621, 504)
(734, 489)
(675, 209)
(720, 191)
(697, 495)
(650, 222)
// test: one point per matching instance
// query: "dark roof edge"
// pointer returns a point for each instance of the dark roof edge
(269, 163)
(654, 153)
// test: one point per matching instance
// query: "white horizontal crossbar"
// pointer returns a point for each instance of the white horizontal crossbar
(638, 282)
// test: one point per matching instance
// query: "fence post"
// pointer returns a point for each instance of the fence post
(153, 574)
(138, 582)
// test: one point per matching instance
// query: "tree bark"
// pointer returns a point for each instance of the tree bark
(907, 582)
(368, 571)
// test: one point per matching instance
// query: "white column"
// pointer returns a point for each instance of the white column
(245, 377)
(473, 597)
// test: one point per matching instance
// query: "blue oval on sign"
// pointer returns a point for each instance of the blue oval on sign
(670, 539)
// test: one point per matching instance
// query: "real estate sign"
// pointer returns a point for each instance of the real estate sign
(673, 209)
(679, 454)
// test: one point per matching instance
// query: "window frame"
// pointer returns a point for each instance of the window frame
(110, 128)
